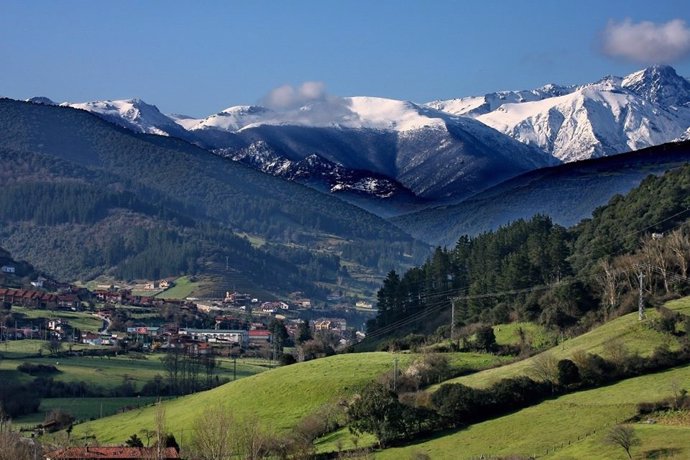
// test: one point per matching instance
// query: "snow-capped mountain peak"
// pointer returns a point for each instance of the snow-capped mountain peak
(134, 114)
(659, 84)
(612, 115)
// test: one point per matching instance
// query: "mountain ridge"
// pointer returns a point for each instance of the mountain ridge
(442, 152)
(566, 193)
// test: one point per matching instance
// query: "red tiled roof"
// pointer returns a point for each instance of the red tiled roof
(259, 333)
(83, 453)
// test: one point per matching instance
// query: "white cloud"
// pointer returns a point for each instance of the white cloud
(646, 42)
(307, 103)
(288, 97)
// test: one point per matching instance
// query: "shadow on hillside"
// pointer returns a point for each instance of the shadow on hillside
(665, 452)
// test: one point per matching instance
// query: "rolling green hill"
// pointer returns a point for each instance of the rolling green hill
(547, 429)
(637, 337)
(278, 398)
(570, 419)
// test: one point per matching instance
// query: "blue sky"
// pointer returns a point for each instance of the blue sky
(200, 57)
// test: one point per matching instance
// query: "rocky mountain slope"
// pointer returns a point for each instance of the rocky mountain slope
(613, 115)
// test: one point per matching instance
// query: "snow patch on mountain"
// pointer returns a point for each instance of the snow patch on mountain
(612, 115)
(347, 113)
(479, 105)
(41, 100)
(133, 114)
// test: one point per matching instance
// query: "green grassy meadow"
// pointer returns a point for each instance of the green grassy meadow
(82, 320)
(83, 408)
(279, 398)
(656, 441)
(183, 288)
(568, 427)
(635, 335)
(109, 372)
(537, 335)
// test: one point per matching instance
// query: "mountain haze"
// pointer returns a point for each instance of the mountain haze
(567, 193)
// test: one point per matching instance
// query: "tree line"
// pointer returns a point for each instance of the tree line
(562, 277)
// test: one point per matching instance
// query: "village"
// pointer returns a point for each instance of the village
(130, 319)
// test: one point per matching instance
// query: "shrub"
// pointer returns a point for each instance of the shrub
(568, 373)
(457, 403)
(37, 369)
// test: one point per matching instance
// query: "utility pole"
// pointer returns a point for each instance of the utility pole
(395, 375)
(234, 369)
(452, 319)
(640, 306)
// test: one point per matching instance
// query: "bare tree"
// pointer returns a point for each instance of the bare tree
(624, 436)
(626, 265)
(15, 447)
(679, 245)
(544, 367)
(159, 421)
(608, 279)
(658, 258)
(214, 435)
(253, 441)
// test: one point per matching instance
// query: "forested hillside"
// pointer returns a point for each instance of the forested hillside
(567, 193)
(82, 196)
(537, 271)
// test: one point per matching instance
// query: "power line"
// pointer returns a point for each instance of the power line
(464, 292)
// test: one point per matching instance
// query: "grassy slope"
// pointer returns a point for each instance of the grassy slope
(82, 408)
(110, 372)
(572, 426)
(82, 320)
(537, 335)
(656, 441)
(556, 422)
(637, 337)
(278, 398)
(182, 289)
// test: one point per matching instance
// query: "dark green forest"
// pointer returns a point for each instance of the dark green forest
(536, 270)
(83, 197)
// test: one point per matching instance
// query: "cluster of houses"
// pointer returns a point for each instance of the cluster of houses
(158, 285)
(230, 329)
(38, 299)
(238, 337)
(330, 324)
(125, 297)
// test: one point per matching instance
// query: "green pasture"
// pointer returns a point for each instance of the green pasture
(279, 398)
(637, 337)
(182, 289)
(83, 408)
(656, 441)
(536, 335)
(109, 372)
(680, 305)
(570, 426)
(82, 320)
(33, 348)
